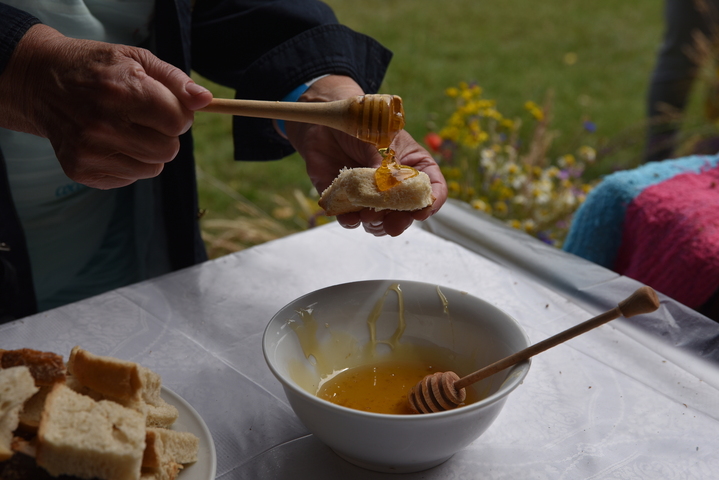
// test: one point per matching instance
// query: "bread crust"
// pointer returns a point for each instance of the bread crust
(46, 368)
(355, 189)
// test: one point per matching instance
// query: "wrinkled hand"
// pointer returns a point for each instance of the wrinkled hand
(113, 113)
(326, 151)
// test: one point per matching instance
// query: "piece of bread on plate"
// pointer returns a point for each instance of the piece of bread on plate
(356, 188)
(89, 439)
(47, 368)
(16, 386)
(121, 381)
(166, 452)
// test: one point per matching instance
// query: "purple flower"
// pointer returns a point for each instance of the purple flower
(590, 126)
(545, 238)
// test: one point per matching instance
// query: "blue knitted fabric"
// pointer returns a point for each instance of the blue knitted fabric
(596, 231)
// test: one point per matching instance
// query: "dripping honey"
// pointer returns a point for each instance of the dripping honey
(391, 173)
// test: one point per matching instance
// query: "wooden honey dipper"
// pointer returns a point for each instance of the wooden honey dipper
(375, 119)
(442, 391)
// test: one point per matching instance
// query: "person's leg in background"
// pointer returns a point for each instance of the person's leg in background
(675, 72)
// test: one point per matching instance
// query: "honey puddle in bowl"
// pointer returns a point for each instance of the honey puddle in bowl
(380, 388)
(366, 377)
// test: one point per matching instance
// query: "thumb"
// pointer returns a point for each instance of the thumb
(191, 95)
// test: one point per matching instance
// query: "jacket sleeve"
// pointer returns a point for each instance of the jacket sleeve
(13, 25)
(264, 49)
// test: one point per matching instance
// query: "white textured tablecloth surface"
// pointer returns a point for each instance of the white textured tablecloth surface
(601, 406)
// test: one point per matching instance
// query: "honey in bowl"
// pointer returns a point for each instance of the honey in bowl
(378, 375)
(379, 388)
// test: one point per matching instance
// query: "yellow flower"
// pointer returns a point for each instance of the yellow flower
(450, 133)
(452, 92)
(529, 226)
(588, 153)
(534, 110)
(567, 160)
(515, 224)
(480, 204)
(453, 187)
(500, 207)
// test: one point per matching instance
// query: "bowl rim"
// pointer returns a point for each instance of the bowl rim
(512, 381)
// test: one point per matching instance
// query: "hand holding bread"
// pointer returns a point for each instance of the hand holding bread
(327, 152)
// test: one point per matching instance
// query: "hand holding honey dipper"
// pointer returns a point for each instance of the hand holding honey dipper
(349, 132)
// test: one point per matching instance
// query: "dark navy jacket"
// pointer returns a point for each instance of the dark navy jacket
(261, 48)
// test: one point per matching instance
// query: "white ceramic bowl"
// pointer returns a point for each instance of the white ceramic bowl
(466, 325)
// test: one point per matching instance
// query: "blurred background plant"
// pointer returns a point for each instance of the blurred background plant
(502, 165)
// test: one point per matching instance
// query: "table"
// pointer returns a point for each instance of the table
(635, 398)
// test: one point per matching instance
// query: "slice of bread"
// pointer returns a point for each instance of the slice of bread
(166, 451)
(32, 411)
(180, 447)
(117, 379)
(16, 386)
(355, 189)
(122, 381)
(89, 439)
(46, 368)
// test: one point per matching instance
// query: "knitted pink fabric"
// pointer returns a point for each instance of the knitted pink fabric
(670, 239)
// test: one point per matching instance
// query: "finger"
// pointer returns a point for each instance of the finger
(191, 95)
(396, 222)
(376, 229)
(371, 216)
(373, 221)
(151, 103)
(349, 220)
(136, 141)
(108, 171)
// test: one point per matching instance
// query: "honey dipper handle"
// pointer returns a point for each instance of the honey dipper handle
(337, 114)
(644, 300)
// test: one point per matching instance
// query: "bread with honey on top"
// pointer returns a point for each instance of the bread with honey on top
(356, 188)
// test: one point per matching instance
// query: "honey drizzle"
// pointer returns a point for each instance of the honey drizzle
(391, 173)
(374, 316)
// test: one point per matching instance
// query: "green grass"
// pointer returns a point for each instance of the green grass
(514, 49)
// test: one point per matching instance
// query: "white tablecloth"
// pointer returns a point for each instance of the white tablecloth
(606, 405)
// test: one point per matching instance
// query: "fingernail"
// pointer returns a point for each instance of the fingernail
(194, 89)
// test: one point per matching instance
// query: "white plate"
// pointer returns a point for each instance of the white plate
(190, 421)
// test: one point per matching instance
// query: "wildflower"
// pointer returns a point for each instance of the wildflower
(567, 160)
(534, 110)
(487, 162)
(590, 126)
(433, 141)
(587, 153)
(528, 225)
(500, 207)
(479, 204)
